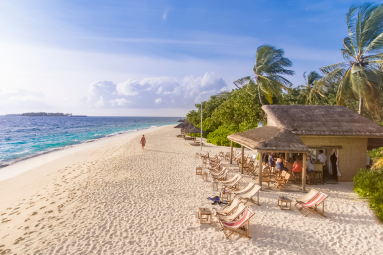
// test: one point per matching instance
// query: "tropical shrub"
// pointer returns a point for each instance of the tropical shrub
(369, 183)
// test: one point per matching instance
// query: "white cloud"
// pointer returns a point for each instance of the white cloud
(20, 100)
(165, 15)
(144, 93)
(119, 102)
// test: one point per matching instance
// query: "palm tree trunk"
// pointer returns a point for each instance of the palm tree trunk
(360, 105)
(259, 94)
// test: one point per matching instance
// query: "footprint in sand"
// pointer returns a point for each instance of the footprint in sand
(34, 213)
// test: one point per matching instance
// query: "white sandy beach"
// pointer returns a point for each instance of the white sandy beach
(114, 198)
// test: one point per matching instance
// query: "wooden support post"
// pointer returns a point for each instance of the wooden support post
(231, 152)
(304, 166)
(242, 158)
(286, 156)
(260, 174)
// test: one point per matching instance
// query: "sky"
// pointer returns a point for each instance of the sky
(152, 58)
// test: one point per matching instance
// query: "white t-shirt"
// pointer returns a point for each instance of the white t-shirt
(309, 165)
(322, 158)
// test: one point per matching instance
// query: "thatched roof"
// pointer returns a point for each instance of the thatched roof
(195, 130)
(320, 120)
(181, 120)
(269, 139)
(184, 125)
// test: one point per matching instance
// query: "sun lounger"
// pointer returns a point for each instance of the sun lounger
(231, 180)
(248, 187)
(304, 199)
(313, 204)
(234, 185)
(221, 176)
(248, 196)
(236, 226)
(228, 209)
(234, 215)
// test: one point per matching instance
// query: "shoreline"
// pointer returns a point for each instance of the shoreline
(25, 164)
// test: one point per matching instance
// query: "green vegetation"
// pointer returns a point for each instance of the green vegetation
(269, 66)
(369, 183)
(356, 83)
(360, 77)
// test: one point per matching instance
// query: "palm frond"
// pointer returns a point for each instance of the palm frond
(372, 28)
(330, 68)
(242, 82)
(350, 18)
(345, 88)
(378, 163)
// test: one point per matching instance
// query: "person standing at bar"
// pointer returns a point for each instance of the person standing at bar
(322, 158)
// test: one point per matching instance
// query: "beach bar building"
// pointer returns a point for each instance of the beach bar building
(343, 136)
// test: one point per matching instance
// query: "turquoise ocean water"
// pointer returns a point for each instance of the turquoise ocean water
(25, 137)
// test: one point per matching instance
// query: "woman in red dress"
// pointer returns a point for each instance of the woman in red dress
(143, 141)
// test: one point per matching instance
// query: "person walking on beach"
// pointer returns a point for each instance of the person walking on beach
(143, 141)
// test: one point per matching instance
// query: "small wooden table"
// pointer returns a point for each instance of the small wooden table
(204, 215)
(205, 176)
(225, 196)
(198, 170)
(285, 200)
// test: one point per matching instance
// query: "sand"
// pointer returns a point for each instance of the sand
(115, 198)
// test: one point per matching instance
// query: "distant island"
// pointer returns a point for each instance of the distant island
(46, 114)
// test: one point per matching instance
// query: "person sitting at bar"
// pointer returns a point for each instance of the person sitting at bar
(310, 166)
(265, 158)
(272, 160)
(297, 167)
(280, 165)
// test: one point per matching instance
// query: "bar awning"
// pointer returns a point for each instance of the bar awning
(270, 138)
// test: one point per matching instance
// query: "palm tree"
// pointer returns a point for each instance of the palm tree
(269, 65)
(360, 77)
(306, 92)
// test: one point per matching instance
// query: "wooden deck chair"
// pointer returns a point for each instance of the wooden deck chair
(234, 185)
(280, 177)
(281, 184)
(229, 208)
(313, 204)
(248, 187)
(221, 176)
(254, 171)
(214, 173)
(248, 196)
(234, 215)
(214, 158)
(215, 168)
(241, 226)
(247, 165)
(304, 199)
(230, 180)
